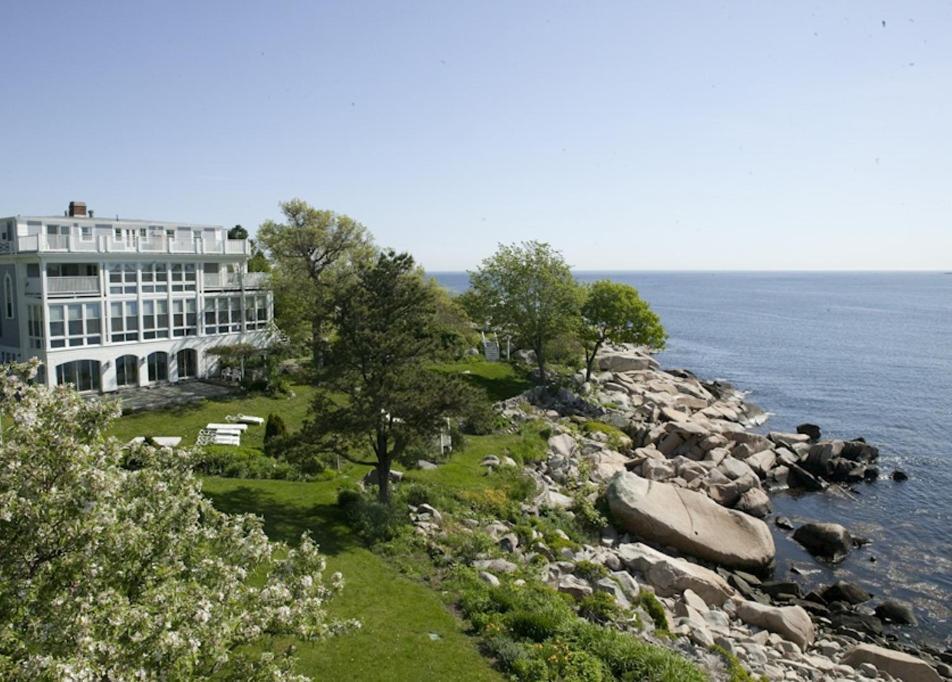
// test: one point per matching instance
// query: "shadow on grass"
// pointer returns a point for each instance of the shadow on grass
(286, 522)
(498, 388)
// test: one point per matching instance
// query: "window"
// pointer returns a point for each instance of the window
(222, 314)
(184, 317)
(83, 374)
(73, 324)
(122, 278)
(124, 321)
(155, 319)
(158, 363)
(256, 312)
(34, 325)
(86, 232)
(183, 277)
(33, 270)
(187, 362)
(72, 270)
(127, 370)
(155, 278)
(8, 297)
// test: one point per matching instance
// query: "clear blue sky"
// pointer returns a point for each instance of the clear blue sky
(747, 135)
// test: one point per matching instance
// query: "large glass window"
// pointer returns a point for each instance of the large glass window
(256, 312)
(122, 278)
(124, 321)
(34, 325)
(222, 314)
(83, 374)
(73, 324)
(158, 363)
(184, 317)
(71, 270)
(155, 319)
(187, 362)
(155, 278)
(183, 277)
(127, 370)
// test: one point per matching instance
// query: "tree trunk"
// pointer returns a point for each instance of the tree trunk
(383, 467)
(590, 361)
(383, 481)
(540, 362)
(317, 342)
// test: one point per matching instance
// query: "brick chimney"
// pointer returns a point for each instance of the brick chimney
(77, 209)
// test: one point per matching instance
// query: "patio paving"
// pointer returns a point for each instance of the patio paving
(166, 395)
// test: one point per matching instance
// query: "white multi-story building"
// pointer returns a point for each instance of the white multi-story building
(108, 303)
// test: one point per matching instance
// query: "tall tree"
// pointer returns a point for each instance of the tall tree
(314, 253)
(385, 396)
(614, 313)
(259, 260)
(115, 571)
(527, 290)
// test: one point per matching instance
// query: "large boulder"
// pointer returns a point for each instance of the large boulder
(670, 575)
(826, 540)
(895, 611)
(691, 522)
(847, 592)
(563, 445)
(625, 361)
(811, 431)
(905, 667)
(790, 622)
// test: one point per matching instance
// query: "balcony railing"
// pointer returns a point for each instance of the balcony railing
(59, 286)
(75, 243)
(231, 280)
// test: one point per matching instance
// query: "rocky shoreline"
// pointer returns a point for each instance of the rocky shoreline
(688, 486)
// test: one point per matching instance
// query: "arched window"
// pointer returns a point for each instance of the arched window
(158, 366)
(187, 360)
(83, 374)
(8, 297)
(127, 370)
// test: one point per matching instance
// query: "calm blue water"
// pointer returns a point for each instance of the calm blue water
(860, 354)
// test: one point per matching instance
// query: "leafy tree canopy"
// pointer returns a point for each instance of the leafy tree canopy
(110, 571)
(615, 313)
(314, 254)
(527, 290)
(387, 338)
(237, 232)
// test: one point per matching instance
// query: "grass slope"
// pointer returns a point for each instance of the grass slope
(398, 615)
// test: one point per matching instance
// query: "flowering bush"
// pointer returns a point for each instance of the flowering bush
(118, 572)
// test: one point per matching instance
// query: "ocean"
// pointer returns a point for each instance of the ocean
(860, 354)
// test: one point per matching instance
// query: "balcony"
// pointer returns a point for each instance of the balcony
(231, 280)
(76, 243)
(65, 286)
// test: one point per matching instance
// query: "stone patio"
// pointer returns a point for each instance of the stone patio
(167, 395)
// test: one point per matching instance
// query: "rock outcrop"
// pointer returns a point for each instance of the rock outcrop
(905, 667)
(672, 575)
(690, 522)
(790, 622)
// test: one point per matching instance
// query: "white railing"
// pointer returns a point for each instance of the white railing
(72, 285)
(223, 280)
(74, 242)
(236, 246)
(255, 280)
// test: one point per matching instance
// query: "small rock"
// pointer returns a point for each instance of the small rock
(827, 540)
(783, 522)
(425, 465)
(488, 577)
(846, 592)
(895, 611)
(900, 475)
(811, 431)
(578, 588)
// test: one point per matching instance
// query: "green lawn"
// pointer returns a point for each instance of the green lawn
(500, 380)
(398, 615)
(187, 420)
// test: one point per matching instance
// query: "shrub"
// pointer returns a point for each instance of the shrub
(600, 607)
(307, 457)
(242, 462)
(274, 428)
(587, 515)
(376, 521)
(589, 570)
(654, 609)
(348, 498)
(538, 624)
(417, 494)
(532, 444)
(735, 671)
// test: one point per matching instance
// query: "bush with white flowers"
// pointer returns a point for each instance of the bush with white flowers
(114, 566)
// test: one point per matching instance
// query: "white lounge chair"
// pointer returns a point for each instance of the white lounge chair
(232, 427)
